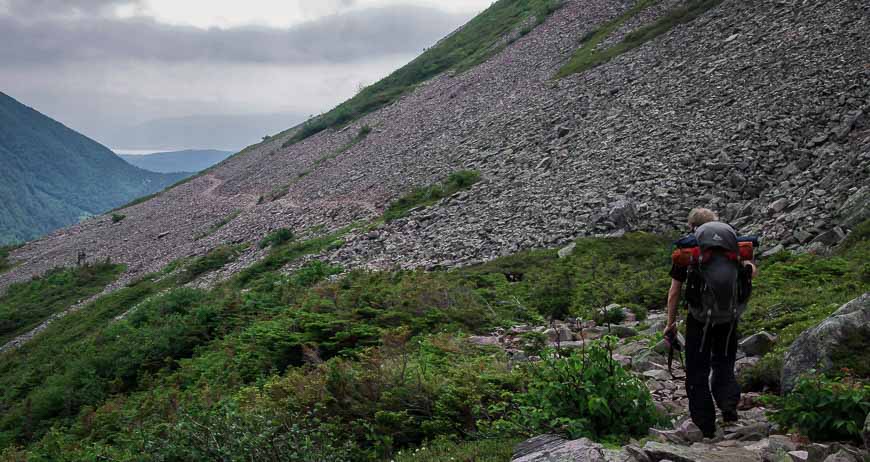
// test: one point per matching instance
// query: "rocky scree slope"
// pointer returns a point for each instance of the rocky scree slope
(758, 109)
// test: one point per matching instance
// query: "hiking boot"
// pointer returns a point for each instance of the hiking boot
(730, 417)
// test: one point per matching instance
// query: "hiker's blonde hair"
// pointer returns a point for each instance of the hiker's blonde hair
(699, 216)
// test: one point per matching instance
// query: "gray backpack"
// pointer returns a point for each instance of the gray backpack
(713, 291)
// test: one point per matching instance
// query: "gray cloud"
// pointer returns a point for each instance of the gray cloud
(59, 8)
(343, 38)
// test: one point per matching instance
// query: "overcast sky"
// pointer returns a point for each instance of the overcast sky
(101, 65)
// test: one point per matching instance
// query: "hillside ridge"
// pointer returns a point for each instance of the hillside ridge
(52, 176)
(749, 95)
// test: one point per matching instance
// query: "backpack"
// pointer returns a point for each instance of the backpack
(718, 285)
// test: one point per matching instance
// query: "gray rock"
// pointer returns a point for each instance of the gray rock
(758, 344)
(483, 340)
(841, 456)
(689, 431)
(799, 456)
(623, 214)
(813, 348)
(856, 209)
(698, 453)
(549, 448)
(867, 433)
(566, 251)
(622, 331)
(775, 250)
(777, 206)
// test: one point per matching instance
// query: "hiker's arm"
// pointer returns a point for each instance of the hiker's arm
(673, 301)
(754, 267)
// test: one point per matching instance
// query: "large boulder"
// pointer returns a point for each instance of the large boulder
(758, 344)
(698, 452)
(814, 347)
(551, 448)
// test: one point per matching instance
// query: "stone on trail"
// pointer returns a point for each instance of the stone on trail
(551, 448)
(841, 456)
(867, 433)
(758, 344)
(814, 347)
(698, 452)
(566, 251)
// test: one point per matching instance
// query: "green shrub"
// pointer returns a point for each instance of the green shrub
(766, 375)
(613, 315)
(588, 56)
(534, 343)
(824, 408)
(587, 394)
(494, 450)
(422, 197)
(218, 225)
(277, 237)
(117, 217)
(640, 312)
(25, 305)
(5, 250)
(213, 260)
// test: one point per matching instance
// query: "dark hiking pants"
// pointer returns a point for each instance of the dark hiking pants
(700, 388)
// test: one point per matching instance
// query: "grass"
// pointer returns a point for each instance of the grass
(423, 197)
(374, 360)
(277, 237)
(5, 264)
(587, 56)
(117, 218)
(24, 305)
(495, 450)
(471, 45)
(218, 225)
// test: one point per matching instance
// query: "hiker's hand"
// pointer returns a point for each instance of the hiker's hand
(670, 327)
(754, 268)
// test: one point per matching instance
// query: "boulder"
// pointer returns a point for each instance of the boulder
(550, 448)
(841, 456)
(698, 452)
(758, 344)
(856, 209)
(867, 433)
(622, 214)
(813, 348)
(566, 251)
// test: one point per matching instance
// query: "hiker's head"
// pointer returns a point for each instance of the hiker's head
(699, 216)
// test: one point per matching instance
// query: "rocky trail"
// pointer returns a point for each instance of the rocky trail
(752, 438)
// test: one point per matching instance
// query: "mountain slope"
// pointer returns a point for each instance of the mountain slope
(746, 108)
(189, 160)
(52, 176)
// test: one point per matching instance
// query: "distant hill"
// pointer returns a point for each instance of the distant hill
(52, 176)
(189, 160)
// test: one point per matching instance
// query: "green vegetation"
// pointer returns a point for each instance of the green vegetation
(824, 408)
(53, 176)
(357, 365)
(589, 56)
(424, 197)
(471, 45)
(5, 250)
(117, 218)
(218, 225)
(25, 305)
(587, 394)
(277, 237)
(491, 450)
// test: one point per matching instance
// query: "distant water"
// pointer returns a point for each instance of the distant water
(142, 152)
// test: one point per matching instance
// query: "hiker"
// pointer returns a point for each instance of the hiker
(718, 287)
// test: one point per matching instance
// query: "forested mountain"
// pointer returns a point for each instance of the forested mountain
(189, 160)
(52, 176)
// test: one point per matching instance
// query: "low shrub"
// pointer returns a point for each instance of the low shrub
(211, 261)
(492, 450)
(586, 394)
(766, 375)
(429, 195)
(824, 408)
(277, 237)
(117, 217)
(612, 315)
